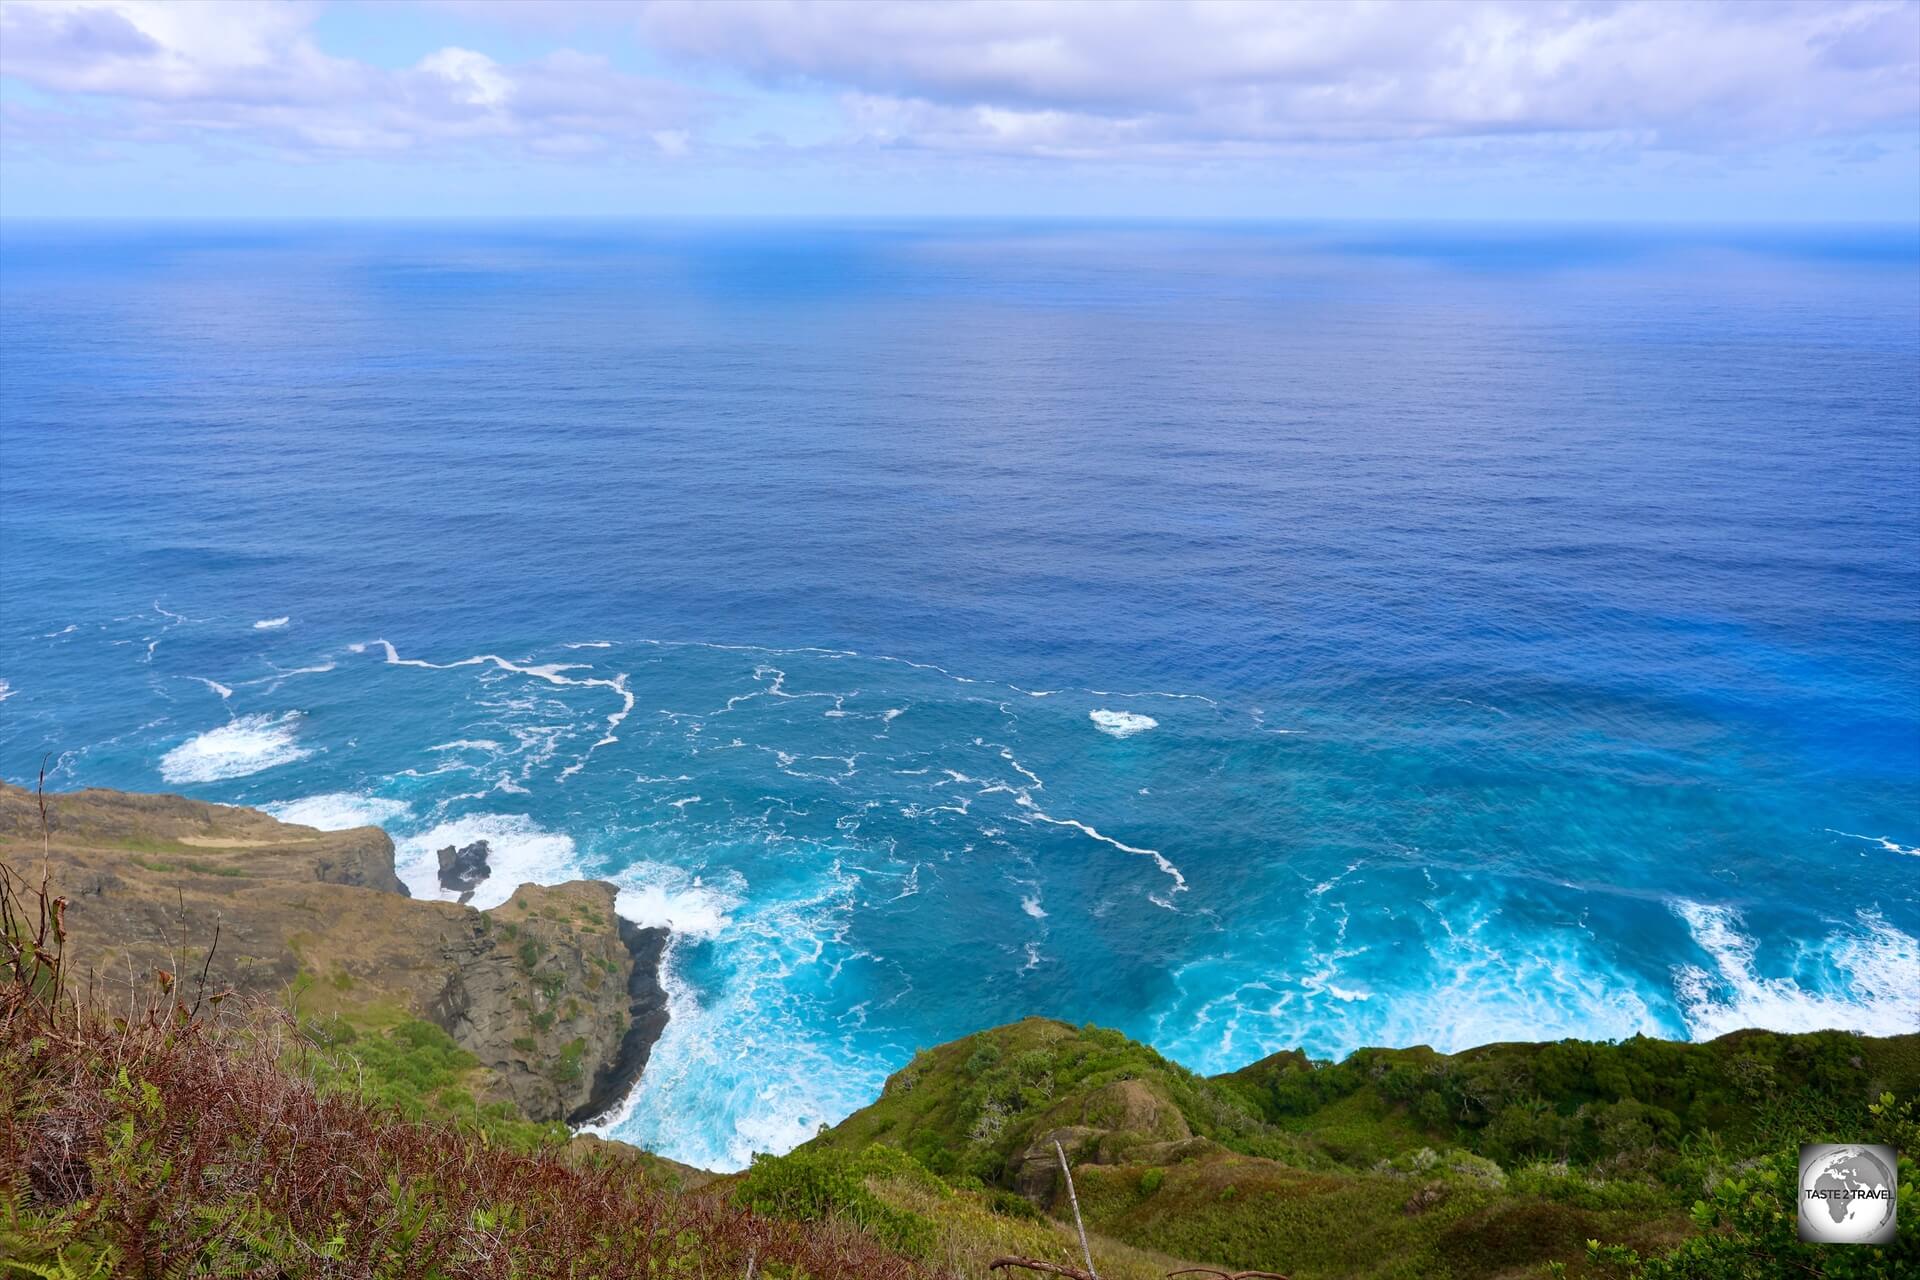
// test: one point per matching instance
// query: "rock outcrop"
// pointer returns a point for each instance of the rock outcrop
(538, 990)
(647, 1018)
(556, 996)
(1122, 1122)
(464, 870)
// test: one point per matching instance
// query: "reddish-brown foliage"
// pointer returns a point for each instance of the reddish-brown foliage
(181, 1140)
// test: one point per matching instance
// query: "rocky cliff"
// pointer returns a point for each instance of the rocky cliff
(556, 996)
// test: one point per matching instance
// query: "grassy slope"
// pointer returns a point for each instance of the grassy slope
(1392, 1163)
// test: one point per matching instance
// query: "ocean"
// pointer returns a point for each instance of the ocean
(1248, 637)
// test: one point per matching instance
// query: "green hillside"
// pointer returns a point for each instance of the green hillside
(1491, 1162)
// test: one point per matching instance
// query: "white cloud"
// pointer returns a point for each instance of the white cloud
(1057, 75)
(1123, 81)
(475, 78)
(252, 72)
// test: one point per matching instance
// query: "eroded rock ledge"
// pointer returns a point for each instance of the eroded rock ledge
(647, 1018)
(555, 994)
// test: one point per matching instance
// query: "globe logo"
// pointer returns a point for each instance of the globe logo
(1847, 1193)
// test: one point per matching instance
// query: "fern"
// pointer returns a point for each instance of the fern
(61, 1267)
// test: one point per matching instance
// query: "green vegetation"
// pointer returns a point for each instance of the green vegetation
(415, 1069)
(568, 1068)
(1747, 1230)
(815, 1186)
(1632, 1161)
(970, 1107)
(177, 1141)
(1396, 1163)
(1628, 1107)
(955, 1225)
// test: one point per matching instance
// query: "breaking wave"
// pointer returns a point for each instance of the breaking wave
(830, 839)
(653, 896)
(339, 811)
(1121, 724)
(244, 746)
(519, 851)
(745, 1063)
(1863, 977)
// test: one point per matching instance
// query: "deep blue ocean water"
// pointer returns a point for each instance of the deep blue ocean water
(1248, 638)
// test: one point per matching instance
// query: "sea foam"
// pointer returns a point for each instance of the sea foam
(339, 811)
(1485, 981)
(1121, 724)
(519, 851)
(653, 895)
(244, 746)
(748, 1061)
(1863, 977)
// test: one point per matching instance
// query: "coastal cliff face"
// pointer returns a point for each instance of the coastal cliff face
(555, 995)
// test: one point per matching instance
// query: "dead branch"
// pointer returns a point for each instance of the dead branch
(1086, 1254)
(46, 831)
(200, 990)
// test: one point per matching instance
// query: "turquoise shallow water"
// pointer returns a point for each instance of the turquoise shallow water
(1247, 637)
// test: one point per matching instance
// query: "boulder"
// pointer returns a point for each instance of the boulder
(463, 870)
(1035, 1172)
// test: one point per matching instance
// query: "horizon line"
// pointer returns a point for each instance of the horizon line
(1911, 226)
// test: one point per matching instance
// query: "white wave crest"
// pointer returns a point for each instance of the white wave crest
(551, 672)
(1864, 978)
(1121, 724)
(339, 811)
(1453, 970)
(271, 624)
(519, 851)
(247, 745)
(1159, 859)
(1891, 846)
(652, 895)
(6, 691)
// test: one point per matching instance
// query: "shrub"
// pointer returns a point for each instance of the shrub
(817, 1186)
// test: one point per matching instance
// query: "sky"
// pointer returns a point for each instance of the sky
(1551, 110)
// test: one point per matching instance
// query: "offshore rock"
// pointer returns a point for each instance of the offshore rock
(464, 870)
